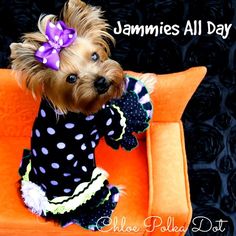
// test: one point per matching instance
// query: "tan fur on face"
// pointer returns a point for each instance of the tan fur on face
(92, 36)
(82, 95)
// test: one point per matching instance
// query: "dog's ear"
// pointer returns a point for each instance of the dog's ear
(88, 21)
(76, 3)
(71, 8)
(22, 57)
(14, 48)
(28, 71)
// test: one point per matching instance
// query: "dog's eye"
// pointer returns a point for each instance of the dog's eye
(95, 56)
(72, 78)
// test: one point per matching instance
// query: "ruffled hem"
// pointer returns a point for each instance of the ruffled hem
(92, 219)
(90, 200)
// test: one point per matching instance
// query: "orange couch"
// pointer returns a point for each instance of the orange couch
(154, 174)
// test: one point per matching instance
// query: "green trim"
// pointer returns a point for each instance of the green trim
(83, 193)
(69, 204)
(26, 175)
(122, 122)
(105, 199)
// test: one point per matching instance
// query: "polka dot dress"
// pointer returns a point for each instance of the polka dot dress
(60, 168)
(62, 150)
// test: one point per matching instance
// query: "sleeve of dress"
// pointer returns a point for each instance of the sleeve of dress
(122, 117)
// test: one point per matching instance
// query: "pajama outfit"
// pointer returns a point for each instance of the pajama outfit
(59, 176)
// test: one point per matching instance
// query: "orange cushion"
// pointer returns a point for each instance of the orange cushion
(173, 91)
(17, 107)
(126, 168)
(169, 188)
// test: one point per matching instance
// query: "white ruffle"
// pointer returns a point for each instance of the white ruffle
(34, 197)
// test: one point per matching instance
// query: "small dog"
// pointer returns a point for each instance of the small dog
(99, 79)
(85, 96)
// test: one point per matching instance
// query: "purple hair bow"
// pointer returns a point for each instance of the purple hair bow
(58, 36)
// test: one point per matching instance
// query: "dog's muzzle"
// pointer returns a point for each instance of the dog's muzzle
(101, 85)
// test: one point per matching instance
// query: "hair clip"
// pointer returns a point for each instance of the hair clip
(58, 36)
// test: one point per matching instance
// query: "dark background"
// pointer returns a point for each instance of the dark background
(210, 117)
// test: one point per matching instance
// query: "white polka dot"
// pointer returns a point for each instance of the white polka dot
(42, 49)
(59, 27)
(70, 36)
(93, 144)
(112, 112)
(43, 186)
(75, 164)
(94, 131)
(42, 170)
(61, 42)
(43, 113)
(83, 147)
(35, 171)
(108, 122)
(79, 136)
(90, 156)
(45, 60)
(77, 180)
(51, 25)
(55, 165)
(110, 133)
(51, 131)
(67, 174)
(70, 157)
(61, 145)
(57, 64)
(84, 168)
(37, 133)
(34, 152)
(69, 125)
(97, 137)
(54, 51)
(91, 117)
(54, 182)
(44, 150)
(67, 190)
(56, 37)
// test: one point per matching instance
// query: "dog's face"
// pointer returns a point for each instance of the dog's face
(87, 78)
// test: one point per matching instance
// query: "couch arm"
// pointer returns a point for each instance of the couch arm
(169, 197)
(17, 107)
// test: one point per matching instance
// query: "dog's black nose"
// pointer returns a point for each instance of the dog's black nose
(101, 85)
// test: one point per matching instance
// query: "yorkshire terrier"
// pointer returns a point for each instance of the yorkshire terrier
(85, 96)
